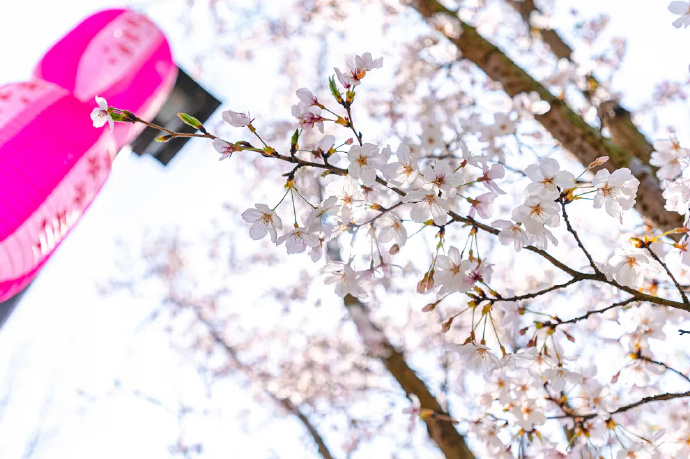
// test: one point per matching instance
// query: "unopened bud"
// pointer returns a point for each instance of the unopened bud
(189, 120)
(429, 307)
(598, 162)
(446, 325)
(395, 248)
(349, 141)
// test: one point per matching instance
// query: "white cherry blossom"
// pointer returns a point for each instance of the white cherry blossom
(442, 177)
(683, 10)
(391, 228)
(616, 191)
(511, 233)
(306, 97)
(344, 278)
(404, 171)
(264, 221)
(427, 203)
(559, 376)
(325, 217)
(226, 149)
(478, 357)
(497, 171)
(451, 272)
(237, 119)
(364, 162)
(530, 104)
(627, 267)
(358, 68)
(547, 178)
(537, 212)
(503, 125)
(482, 204)
(100, 115)
(677, 196)
(297, 240)
(667, 157)
(308, 116)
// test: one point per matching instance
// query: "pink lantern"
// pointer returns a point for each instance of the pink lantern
(53, 161)
(52, 164)
(118, 55)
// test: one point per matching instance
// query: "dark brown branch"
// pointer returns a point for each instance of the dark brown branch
(668, 273)
(596, 311)
(566, 126)
(572, 231)
(662, 364)
(440, 429)
(652, 398)
(527, 296)
(613, 116)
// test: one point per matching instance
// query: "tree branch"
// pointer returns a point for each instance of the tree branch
(284, 402)
(442, 430)
(613, 116)
(576, 136)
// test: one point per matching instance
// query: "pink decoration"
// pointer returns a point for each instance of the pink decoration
(52, 164)
(119, 55)
(53, 161)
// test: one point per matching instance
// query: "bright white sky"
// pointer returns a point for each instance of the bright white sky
(64, 347)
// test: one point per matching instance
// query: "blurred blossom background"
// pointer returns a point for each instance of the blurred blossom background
(110, 353)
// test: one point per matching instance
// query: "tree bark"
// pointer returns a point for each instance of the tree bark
(566, 126)
(612, 115)
(442, 431)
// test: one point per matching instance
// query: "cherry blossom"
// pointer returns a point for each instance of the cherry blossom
(683, 10)
(404, 171)
(442, 177)
(432, 137)
(616, 191)
(537, 212)
(237, 119)
(547, 179)
(482, 204)
(325, 217)
(503, 125)
(529, 413)
(391, 228)
(495, 172)
(667, 157)
(427, 203)
(364, 162)
(308, 116)
(451, 272)
(307, 98)
(627, 267)
(478, 357)
(101, 114)
(358, 68)
(559, 376)
(677, 195)
(297, 240)
(264, 221)
(225, 149)
(344, 278)
(324, 146)
(511, 233)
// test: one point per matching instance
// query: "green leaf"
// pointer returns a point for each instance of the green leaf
(189, 120)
